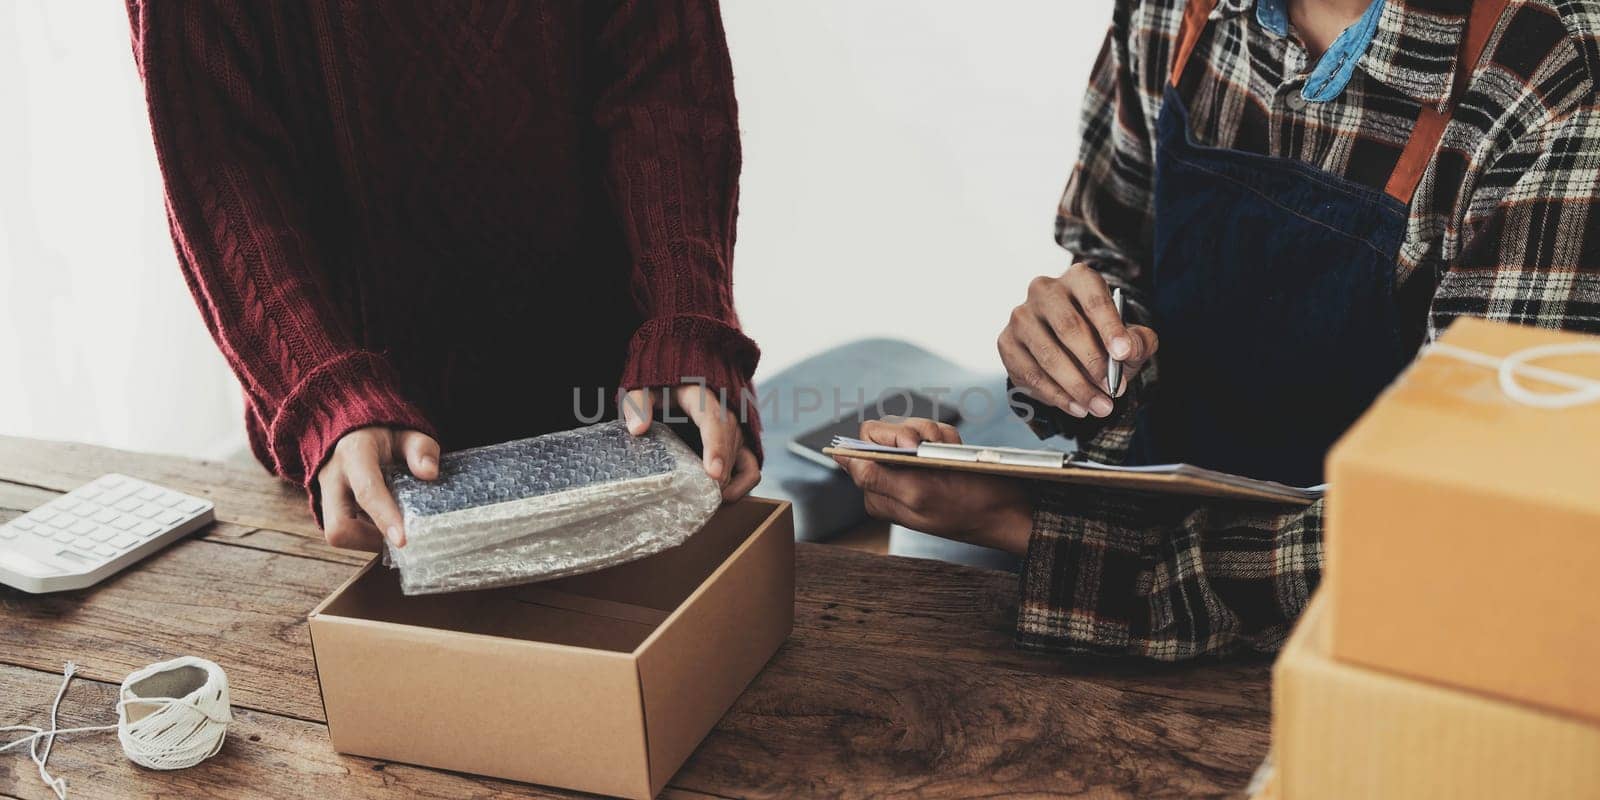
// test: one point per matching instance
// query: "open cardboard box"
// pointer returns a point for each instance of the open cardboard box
(604, 682)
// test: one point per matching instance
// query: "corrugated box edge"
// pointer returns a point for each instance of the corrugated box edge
(1342, 731)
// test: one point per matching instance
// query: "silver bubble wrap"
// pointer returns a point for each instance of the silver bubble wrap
(554, 505)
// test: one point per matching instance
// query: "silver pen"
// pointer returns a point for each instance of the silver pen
(1114, 370)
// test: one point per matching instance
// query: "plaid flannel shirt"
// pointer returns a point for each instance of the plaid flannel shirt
(1505, 224)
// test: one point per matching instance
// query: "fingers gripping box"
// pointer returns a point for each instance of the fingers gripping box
(603, 682)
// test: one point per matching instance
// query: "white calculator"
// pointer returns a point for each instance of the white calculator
(93, 532)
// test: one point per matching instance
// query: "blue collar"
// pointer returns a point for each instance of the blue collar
(1333, 70)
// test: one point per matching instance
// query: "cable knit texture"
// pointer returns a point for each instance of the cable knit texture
(470, 219)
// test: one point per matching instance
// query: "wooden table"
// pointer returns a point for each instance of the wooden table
(900, 678)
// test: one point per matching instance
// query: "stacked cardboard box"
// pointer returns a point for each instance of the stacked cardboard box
(1454, 649)
(1346, 731)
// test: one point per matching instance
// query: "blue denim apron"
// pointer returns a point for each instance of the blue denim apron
(1274, 294)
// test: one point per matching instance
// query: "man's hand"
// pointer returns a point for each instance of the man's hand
(1058, 343)
(357, 510)
(978, 509)
(727, 460)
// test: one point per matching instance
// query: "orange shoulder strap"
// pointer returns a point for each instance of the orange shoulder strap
(1195, 16)
(1431, 122)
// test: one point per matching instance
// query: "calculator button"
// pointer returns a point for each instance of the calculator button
(42, 514)
(103, 534)
(66, 503)
(86, 509)
(189, 506)
(111, 496)
(125, 523)
(76, 557)
(129, 504)
(150, 493)
(104, 551)
(9, 531)
(147, 529)
(123, 541)
(83, 527)
(22, 524)
(88, 492)
(148, 511)
(105, 516)
(171, 500)
(64, 537)
(169, 518)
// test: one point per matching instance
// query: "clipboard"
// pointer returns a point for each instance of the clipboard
(1059, 467)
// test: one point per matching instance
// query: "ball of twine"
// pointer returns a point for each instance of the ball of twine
(170, 715)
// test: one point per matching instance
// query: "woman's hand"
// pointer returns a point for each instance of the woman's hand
(357, 510)
(977, 509)
(727, 460)
(1058, 343)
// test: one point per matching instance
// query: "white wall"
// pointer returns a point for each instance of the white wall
(902, 163)
(99, 340)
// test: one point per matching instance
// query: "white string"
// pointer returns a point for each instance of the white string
(1584, 390)
(179, 733)
(59, 785)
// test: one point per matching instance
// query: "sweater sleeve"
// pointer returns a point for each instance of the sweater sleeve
(666, 110)
(234, 185)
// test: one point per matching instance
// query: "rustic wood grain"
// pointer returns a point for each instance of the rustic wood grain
(827, 720)
(900, 678)
(963, 618)
(898, 727)
(939, 611)
(244, 494)
(16, 498)
(898, 719)
(293, 544)
(266, 756)
(244, 609)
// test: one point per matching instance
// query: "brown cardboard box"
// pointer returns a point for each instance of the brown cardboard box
(603, 682)
(1342, 732)
(1463, 537)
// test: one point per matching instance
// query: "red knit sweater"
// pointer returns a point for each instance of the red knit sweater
(448, 217)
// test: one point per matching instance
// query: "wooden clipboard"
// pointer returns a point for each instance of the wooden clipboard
(1178, 483)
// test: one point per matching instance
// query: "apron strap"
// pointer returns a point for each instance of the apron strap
(1195, 16)
(1431, 121)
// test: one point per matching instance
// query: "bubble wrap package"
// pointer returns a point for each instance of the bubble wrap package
(554, 505)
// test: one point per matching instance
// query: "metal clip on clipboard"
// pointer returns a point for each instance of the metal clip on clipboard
(1013, 456)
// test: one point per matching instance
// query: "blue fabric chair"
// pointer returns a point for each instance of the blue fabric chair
(825, 502)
